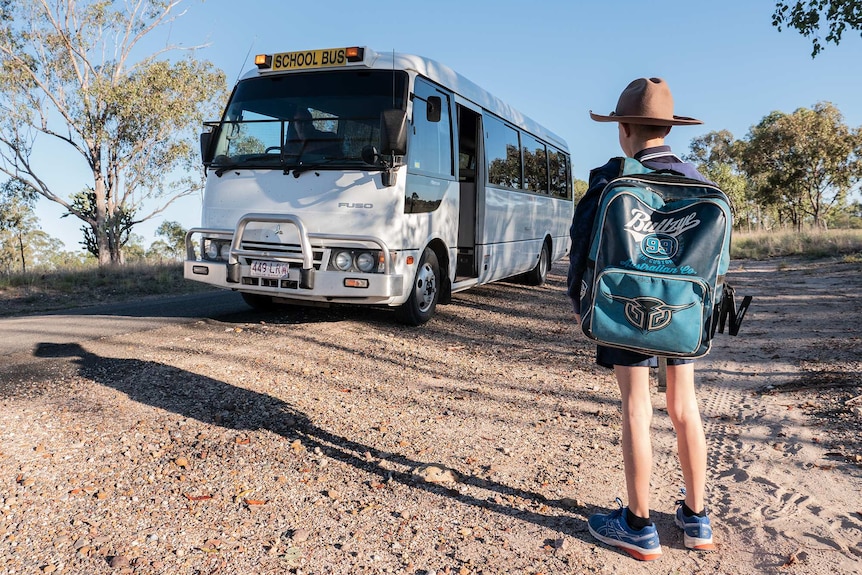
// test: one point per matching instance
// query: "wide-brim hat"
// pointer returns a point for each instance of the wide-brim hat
(646, 101)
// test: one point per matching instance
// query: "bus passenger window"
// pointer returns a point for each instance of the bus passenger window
(535, 165)
(559, 170)
(504, 154)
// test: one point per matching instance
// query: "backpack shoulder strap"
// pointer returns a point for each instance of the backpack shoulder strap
(632, 167)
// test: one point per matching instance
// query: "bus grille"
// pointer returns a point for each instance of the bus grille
(291, 251)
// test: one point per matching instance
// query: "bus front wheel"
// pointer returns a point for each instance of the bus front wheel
(424, 294)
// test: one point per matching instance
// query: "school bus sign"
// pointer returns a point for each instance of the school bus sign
(315, 58)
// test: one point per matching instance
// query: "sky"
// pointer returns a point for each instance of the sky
(554, 60)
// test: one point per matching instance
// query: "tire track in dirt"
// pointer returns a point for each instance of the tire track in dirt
(770, 487)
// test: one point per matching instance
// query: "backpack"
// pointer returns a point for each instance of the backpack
(659, 251)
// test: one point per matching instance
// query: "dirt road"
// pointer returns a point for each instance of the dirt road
(336, 441)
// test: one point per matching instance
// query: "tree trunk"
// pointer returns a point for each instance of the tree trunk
(21, 250)
(103, 238)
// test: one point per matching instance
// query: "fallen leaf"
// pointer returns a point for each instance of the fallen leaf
(197, 497)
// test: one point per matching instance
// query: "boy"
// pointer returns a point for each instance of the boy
(644, 114)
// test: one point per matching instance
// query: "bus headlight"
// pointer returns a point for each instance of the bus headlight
(349, 260)
(343, 261)
(365, 262)
(216, 250)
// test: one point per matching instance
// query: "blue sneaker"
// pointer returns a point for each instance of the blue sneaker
(612, 529)
(697, 531)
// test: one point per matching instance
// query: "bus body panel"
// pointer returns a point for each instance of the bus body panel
(441, 224)
(354, 200)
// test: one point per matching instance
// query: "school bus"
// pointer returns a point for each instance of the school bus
(349, 176)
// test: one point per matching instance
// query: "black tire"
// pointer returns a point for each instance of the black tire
(259, 302)
(425, 293)
(539, 274)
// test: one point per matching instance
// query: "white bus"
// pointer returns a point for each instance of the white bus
(350, 176)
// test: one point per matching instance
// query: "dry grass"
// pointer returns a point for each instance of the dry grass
(59, 289)
(813, 244)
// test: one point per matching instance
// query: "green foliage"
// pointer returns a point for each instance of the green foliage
(715, 155)
(791, 169)
(18, 225)
(68, 73)
(174, 242)
(580, 188)
(804, 163)
(116, 226)
(808, 17)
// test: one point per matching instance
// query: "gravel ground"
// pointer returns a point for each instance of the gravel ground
(337, 441)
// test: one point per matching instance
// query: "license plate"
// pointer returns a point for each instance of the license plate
(268, 269)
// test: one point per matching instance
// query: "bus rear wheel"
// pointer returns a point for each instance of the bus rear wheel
(424, 294)
(539, 274)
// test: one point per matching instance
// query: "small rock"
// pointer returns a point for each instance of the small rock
(572, 503)
(430, 473)
(300, 535)
(119, 562)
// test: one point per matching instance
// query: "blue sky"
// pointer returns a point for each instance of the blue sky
(554, 60)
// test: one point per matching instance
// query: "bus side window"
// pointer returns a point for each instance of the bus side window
(503, 150)
(430, 149)
(434, 107)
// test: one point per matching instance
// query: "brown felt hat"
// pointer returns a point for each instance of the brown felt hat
(646, 101)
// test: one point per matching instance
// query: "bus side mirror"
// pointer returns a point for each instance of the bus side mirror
(393, 132)
(206, 139)
(434, 105)
(370, 155)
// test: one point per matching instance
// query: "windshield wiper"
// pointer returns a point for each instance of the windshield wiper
(247, 159)
(298, 170)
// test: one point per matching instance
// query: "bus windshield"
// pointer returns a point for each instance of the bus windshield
(318, 119)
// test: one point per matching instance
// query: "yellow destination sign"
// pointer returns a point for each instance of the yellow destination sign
(309, 59)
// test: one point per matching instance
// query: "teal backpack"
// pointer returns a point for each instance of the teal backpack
(655, 278)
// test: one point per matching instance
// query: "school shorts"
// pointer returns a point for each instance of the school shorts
(611, 356)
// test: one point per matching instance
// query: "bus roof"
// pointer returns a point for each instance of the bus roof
(437, 72)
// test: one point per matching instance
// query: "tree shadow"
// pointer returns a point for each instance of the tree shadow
(215, 402)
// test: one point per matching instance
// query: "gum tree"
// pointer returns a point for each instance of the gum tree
(716, 156)
(806, 163)
(69, 72)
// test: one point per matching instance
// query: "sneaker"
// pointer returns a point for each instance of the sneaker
(697, 531)
(612, 529)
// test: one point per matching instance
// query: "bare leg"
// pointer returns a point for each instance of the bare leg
(685, 415)
(636, 443)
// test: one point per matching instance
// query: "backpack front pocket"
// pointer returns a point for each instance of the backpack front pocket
(652, 313)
